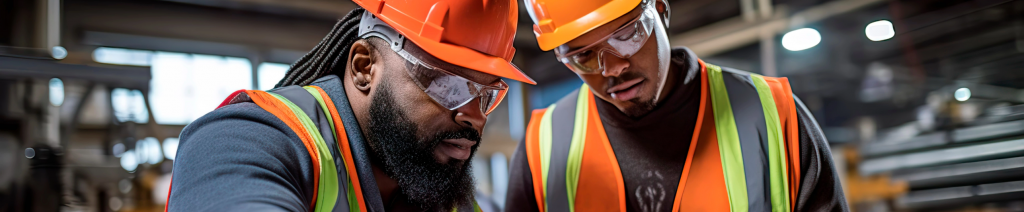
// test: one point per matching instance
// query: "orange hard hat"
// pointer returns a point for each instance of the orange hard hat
(474, 34)
(557, 22)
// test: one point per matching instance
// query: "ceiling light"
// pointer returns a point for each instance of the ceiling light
(879, 30)
(962, 94)
(56, 91)
(128, 161)
(58, 52)
(801, 39)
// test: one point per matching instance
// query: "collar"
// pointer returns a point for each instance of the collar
(686, 92)
(332, 85)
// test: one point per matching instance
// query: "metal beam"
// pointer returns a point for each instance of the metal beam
(328, 10)
(994, 92)
(1011, 147)
(276, 55)
(114, 76)
(935, 199)
(191, 22)
(963, 173)
(929, 140)
(989, 131)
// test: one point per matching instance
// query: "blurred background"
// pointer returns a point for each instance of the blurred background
(921, 100)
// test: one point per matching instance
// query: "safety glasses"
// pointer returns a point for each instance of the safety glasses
(622, 43)
(431, 74)
(450, 90)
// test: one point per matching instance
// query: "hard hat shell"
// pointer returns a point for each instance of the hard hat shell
(475, 34)
(557, 22)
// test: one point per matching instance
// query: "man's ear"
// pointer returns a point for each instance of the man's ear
(663, 10)
(361, 68)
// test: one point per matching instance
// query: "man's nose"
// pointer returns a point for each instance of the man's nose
(469, 115)
(614, 65)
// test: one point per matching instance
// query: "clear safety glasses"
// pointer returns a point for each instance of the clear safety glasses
(622, 43)
(447, 89)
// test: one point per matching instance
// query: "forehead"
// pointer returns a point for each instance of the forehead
(470, 74)
(604, 30)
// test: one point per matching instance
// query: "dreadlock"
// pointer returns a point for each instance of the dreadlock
(323, 59)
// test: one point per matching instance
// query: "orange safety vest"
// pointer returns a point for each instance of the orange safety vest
(737, 141)
(335, 178)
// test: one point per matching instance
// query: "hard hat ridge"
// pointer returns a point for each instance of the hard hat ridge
(474, 34)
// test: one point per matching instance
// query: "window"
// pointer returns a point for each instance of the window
(184, 86)
(269, 74)
(170, 148)
(128, 105)
(122, 56)
(187, 86)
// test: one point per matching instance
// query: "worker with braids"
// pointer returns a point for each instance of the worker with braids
(384, 114)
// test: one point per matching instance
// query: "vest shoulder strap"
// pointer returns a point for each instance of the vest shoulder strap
(786, 119)
(751, 113)
(556, 142)
(306, 110)
(310, 112)
(550, 137)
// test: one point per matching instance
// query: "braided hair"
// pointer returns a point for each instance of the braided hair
(324, 58)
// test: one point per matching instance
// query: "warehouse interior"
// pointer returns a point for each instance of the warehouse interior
(920, 100)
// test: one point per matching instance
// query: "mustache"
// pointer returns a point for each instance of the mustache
(624, 77)
(466, 133)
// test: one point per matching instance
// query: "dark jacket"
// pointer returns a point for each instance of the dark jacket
(242, 158)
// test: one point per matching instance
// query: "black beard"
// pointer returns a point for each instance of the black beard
(640, 108)
(409, 159)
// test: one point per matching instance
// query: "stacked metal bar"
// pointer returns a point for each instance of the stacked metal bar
(979, 163)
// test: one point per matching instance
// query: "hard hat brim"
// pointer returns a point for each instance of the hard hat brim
(569, 31)
(471, 59)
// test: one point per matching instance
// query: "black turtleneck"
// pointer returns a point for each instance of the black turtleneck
(652, 149)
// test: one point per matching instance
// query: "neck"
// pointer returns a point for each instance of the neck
(360, 104)
(671, 79)
(385, 184)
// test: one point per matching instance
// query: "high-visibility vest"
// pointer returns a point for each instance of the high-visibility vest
(743, 156)
(335, 177)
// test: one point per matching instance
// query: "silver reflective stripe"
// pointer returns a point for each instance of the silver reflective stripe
(557, 197)
(750, 127)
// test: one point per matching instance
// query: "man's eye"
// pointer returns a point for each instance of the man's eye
(626, 33)
(583, 56)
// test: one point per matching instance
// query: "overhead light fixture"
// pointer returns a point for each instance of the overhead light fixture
(962, 94)
(128, 161)
(56, 92)
(118, 149)
(879, 30)
(801, 39)
(148, 150)
(58, 52)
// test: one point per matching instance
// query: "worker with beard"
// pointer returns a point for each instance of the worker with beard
(383, 114)
(655, 128)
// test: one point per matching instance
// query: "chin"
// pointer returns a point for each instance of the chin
(638, 107)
